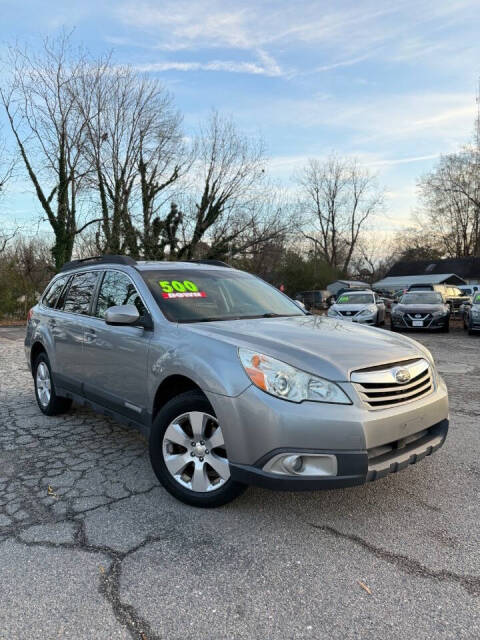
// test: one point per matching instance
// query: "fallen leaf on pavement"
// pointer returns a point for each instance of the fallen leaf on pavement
(365, 587)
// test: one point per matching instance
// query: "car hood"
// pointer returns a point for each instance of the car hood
(420, 308)
(320, 345)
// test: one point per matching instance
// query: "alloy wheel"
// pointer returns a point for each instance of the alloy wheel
(194, 452)
(44, 384)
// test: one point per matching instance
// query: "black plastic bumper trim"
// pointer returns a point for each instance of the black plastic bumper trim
(352, 466)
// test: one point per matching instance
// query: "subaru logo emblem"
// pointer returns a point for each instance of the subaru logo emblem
(401, 375)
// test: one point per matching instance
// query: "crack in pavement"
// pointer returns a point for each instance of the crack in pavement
(471, 584)
(138, 627)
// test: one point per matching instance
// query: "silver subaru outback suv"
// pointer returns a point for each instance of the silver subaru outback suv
(232, 382)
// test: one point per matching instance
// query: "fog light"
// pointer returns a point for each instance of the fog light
(304, 464)
(293, 464)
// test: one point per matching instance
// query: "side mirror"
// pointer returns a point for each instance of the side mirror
(124, 314)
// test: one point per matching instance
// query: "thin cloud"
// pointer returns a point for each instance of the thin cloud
(228, 66)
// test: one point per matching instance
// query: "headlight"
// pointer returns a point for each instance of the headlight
(476, 313)
(284, 381)
(397, 312)
(439, 314)
(367, 312)
(331, 312)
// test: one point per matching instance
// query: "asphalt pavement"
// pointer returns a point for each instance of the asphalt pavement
(92, 547)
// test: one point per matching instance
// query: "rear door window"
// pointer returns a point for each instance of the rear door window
(52, 295)
(117, 289)
(80, 293)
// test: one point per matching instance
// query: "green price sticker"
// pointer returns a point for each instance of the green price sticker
(170, 286)
(173, 289)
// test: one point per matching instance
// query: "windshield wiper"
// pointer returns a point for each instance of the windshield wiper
(273, 315)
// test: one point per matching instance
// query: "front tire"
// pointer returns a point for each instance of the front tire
(188, 453)
(48, 402)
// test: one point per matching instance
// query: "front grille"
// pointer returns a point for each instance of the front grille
(379, 389)
(426, 318)
(348, 313)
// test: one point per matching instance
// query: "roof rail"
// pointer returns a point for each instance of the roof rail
(215, 263)
(106, 259)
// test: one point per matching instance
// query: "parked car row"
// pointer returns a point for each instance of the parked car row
(417, 308)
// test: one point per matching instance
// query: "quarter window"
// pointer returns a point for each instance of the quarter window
(52, 295)
(117, 289)
(80, 293)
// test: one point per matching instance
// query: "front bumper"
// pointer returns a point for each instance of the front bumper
(370, 320)
(367, 443)
(400, 322)
(354, 467)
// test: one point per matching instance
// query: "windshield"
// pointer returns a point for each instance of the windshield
(476, 299)
(186, 295)
(424, 297)
(356, 298)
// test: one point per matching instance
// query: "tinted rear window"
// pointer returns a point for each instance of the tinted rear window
(80, 293)
(52, 295)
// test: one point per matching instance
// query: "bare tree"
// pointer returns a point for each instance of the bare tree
(375, 253)
(7, 165)
(337, 196)
(450, 195)
(136, 151)
(49, 131)
(245, 232)
(227, 173)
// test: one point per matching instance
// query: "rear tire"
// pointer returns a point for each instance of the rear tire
(184, 435)
(48, 402)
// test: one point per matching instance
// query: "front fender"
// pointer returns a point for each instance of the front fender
(211, 364)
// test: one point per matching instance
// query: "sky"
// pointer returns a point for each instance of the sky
(391, 83)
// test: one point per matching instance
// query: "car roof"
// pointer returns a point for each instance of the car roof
(143, 265)
(354, 292)
(153, 265)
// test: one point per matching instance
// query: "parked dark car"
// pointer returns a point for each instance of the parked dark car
(471, 314)
(420, 310)
(318, 299)
(453, 296)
